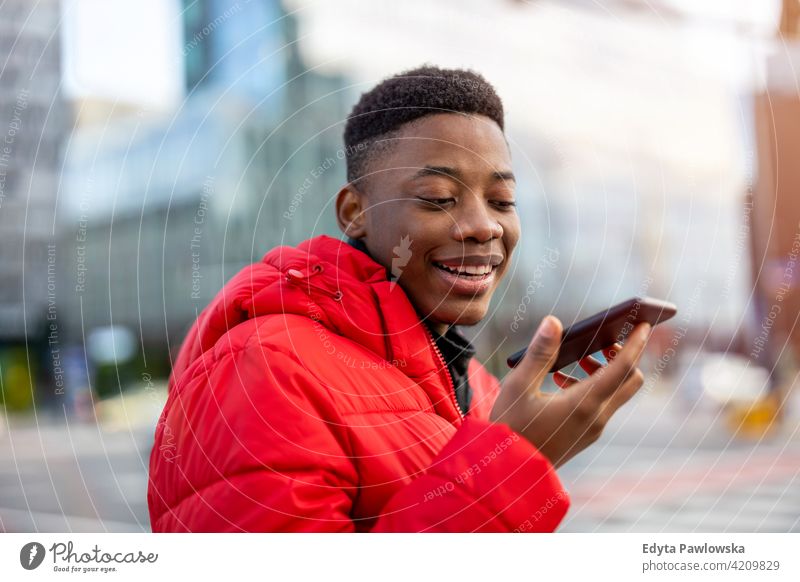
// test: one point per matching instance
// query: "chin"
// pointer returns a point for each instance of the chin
(471, 315)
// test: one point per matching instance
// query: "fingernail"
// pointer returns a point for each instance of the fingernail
(547, 329)
(645, 333)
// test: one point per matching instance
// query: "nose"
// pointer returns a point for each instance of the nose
(475, 222)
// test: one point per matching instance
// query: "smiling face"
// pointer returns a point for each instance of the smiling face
(439, 199)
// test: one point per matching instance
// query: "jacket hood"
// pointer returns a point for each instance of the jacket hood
(327, 280)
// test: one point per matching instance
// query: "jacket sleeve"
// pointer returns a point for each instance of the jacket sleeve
(487, 478)
(250, 443)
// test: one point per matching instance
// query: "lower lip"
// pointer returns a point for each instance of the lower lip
(465, 285)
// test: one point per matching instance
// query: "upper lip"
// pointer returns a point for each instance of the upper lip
(471, 260)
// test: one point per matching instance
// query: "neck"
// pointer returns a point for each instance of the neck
(439, 328)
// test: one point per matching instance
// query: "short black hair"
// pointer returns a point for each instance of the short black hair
(408, 96)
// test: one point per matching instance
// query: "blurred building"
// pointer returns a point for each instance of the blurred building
(775, 223)
(161, 210)
(237, 45)
(31, 132)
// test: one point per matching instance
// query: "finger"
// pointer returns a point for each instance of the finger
(609, 378)
(564, 381)
(541, 353)
(624, 393)
(590, 364)
(611, 352)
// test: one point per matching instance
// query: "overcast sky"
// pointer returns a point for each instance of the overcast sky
(663, 81)
(123, 50)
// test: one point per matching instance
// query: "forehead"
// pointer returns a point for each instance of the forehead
(472, 142)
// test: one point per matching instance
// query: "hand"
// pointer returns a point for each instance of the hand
(562, 425)
(589, 365)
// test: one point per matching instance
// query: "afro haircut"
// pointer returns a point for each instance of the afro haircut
(406, 97)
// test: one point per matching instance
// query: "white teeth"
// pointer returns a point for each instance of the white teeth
(468, 269)
(477, 270)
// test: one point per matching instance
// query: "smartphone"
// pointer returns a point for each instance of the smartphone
(603, 329)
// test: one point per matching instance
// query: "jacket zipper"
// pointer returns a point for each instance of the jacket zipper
(447, 371)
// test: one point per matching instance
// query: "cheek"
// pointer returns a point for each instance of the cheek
(511, 226)
(386, 224)
(423, 233)
(511, 234)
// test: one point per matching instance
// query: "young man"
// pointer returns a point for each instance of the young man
(326, 388)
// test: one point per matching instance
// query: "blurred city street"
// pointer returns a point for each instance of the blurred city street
(666, 466)
(658, 468)
(78, 476)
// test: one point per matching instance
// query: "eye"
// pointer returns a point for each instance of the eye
(506, 205)
(435, 202)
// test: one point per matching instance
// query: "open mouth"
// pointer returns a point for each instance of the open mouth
(470, 273)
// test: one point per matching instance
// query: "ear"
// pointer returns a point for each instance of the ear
(350, 205)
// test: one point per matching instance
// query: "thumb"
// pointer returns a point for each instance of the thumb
(542, 351)
(527, 376)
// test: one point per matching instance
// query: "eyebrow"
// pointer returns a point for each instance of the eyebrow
(456, 174)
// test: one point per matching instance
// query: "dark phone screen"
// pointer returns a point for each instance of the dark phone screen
(601, 330)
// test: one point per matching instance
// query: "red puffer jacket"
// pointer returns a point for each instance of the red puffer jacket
(309, 396)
